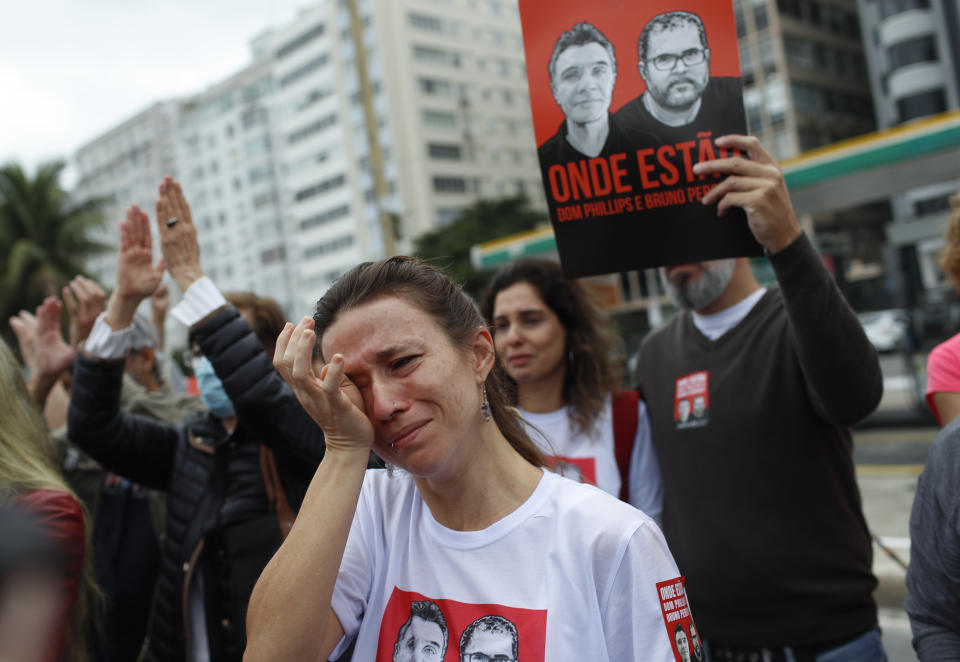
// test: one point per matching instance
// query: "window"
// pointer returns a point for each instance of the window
(439, 119)
(931, 205)
(328, 246)
(312, 97)
(738, 17)
(304, 69)
(790, 8)
(435, 86)
(299, 41)
(324, 217)
(265, 200)
(257, 146)
(425, 22)
(920, 105)
(251, 118)
(911, 51)
(320, 187)
(449, 184)
(444, 151)
(271, 255)
(760, 18)
(431, 55)
(310, 129)
(892, 7)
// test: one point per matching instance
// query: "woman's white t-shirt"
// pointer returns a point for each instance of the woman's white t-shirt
(593, 455)
(572, 574)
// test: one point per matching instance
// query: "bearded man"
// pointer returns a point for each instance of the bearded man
(761, 506)
(674, 62)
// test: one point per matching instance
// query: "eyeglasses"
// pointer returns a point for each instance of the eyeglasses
(483, 657)
(667, 61)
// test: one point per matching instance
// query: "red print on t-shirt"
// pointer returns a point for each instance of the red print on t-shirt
(691, 404)
(684, 636)
(415, 627)
(580, 469)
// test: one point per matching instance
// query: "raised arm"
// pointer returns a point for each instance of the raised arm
(85, 300)
(45, 354)
(258, 393)
(132, 446)
(304, 570)
(841, 367)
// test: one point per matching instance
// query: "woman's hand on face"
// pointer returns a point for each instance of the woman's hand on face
(331, 399)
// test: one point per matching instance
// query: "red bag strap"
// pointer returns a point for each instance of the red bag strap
(276, 497)
(625, 421)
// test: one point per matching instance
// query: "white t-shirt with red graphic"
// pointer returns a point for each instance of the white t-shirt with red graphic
(591, 457)
(572, 574)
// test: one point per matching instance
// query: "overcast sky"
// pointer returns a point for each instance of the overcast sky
(72, 69)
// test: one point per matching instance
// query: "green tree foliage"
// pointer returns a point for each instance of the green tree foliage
(448, 248)
(44, 237)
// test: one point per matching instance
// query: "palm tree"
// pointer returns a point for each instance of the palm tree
(486, 219)
(43, 236)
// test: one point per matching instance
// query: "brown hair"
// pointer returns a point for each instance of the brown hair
(592, 344)
(268, 316)
(950, 256)
(439, 297)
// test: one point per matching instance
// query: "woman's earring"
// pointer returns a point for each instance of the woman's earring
(484, 403)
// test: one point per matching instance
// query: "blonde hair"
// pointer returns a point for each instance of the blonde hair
(950, 255)
(28, 462)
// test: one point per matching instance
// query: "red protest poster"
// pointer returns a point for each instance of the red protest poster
(687, 645)
(416, 627)
(626, 98)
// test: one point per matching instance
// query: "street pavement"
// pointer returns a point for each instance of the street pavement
(890, 450)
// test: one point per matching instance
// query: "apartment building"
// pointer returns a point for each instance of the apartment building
(804, 74)
(913, 58)
(125, 165)
(356, 127)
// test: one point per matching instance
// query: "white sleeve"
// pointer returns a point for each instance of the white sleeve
(105, 343)
(200, 299)
(352, 590)
(646, 484)
(633, 624)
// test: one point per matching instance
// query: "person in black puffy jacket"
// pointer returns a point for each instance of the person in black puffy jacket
(233, 476)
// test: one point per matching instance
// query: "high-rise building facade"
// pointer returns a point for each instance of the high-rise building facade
(805, 82)
(125, 165)
(913, 57)
(357, 126)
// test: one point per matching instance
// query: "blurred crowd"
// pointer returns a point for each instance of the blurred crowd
(386, 448)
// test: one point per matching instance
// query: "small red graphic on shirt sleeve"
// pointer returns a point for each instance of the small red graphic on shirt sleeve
(683, 633)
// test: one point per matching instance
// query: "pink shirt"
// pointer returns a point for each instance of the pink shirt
(943, 371)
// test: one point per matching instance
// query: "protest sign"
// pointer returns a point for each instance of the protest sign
(626, 98)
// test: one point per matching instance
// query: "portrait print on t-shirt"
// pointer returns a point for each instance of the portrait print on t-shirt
(691, 408)
(580, 469)
(416, 628)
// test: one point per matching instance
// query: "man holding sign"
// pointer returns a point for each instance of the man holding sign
(761, 505)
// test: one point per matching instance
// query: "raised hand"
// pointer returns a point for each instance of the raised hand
(84, 300)
(41, 344)
(330, 398)
(160, 302)
(178, 239)
(24, 327)
(137, 277)
(757, 186)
